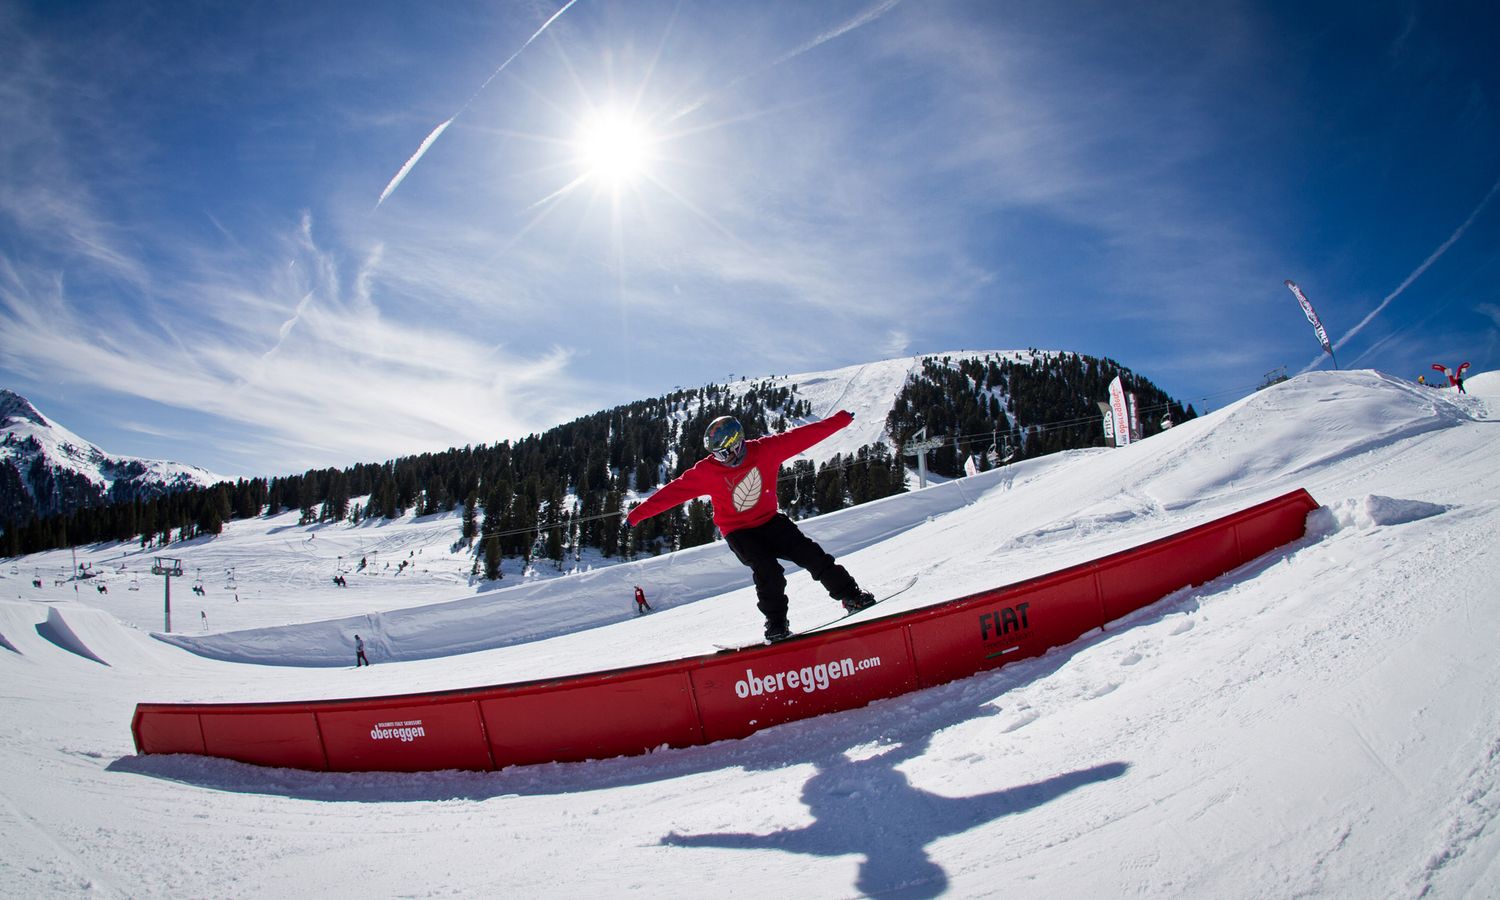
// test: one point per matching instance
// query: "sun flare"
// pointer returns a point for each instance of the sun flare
(613, 148)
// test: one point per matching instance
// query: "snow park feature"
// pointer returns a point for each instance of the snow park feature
(693, 701)
(1317, 722)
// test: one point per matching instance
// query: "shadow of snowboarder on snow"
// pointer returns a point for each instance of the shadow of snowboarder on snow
(868, 807)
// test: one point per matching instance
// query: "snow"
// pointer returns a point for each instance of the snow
(1319, 722)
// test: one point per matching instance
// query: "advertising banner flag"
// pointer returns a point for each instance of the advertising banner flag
(1119, 412)
(1312, 316)
(1455, 379)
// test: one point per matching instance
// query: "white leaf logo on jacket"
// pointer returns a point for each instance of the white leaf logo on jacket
(747, 492)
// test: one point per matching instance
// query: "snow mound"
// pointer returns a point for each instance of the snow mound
(1371, 511)
(1296, 427)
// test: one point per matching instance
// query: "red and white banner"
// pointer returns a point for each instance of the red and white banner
(1455, 379)
(1312, 316)
(1119, 411)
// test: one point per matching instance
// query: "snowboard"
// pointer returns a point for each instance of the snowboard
(899, 589)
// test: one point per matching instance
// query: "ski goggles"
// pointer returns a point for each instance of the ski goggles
(729, 450)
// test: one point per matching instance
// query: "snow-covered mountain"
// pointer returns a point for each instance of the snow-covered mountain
(1320, 722)
(46, 469)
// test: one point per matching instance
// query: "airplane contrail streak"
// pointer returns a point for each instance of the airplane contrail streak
(1427, 263)
(864, 18)
(1416, 273)
(400, 176)
(437, 132)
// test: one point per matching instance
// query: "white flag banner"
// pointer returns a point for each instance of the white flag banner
(1312, 315)
(1119, 412)
(971, 466)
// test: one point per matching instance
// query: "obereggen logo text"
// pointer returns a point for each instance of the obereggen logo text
(406, 732)
(808, 678)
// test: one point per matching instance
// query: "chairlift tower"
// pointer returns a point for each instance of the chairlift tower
(919, 448)
(168, 568)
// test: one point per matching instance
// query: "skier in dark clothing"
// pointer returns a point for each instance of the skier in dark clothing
(359, 652)
(739, 478)
(641, 606)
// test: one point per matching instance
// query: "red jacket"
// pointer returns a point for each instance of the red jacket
(743, 496)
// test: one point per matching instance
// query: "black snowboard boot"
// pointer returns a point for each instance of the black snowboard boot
(777, 631)
(857, 601)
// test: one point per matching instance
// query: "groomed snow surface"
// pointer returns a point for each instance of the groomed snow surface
(1323, 721)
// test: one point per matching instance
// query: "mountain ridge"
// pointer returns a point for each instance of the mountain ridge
(540, 493)
(46, 469)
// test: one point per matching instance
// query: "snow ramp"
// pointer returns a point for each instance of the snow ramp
(709, 698)
(57, 630)
(18, 619)
(98, 636)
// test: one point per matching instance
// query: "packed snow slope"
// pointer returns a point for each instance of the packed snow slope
(1319, 722)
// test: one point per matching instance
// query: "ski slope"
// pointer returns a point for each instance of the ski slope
(1321, 721)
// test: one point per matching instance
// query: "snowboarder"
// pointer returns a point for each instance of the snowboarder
(739, 478)
(641, 606)
(359, 652)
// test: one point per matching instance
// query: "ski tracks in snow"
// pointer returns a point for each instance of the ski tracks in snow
(37, 864)
(1472, 820)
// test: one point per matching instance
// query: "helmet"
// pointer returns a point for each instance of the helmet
(725, 439)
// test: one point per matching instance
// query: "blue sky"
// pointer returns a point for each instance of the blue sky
(196, 262)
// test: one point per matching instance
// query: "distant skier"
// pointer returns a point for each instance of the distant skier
(641, 606)
(359, 652)
(739, 478)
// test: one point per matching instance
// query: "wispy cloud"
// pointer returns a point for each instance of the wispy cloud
(346, 383)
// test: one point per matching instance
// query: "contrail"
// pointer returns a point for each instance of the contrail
(401, 175)
(437, 132)
(864, 18)
(1452, 239)
(1416, 273)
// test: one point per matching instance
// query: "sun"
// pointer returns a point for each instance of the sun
(613, 148)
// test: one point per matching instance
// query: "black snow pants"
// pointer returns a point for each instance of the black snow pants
(780, 538)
